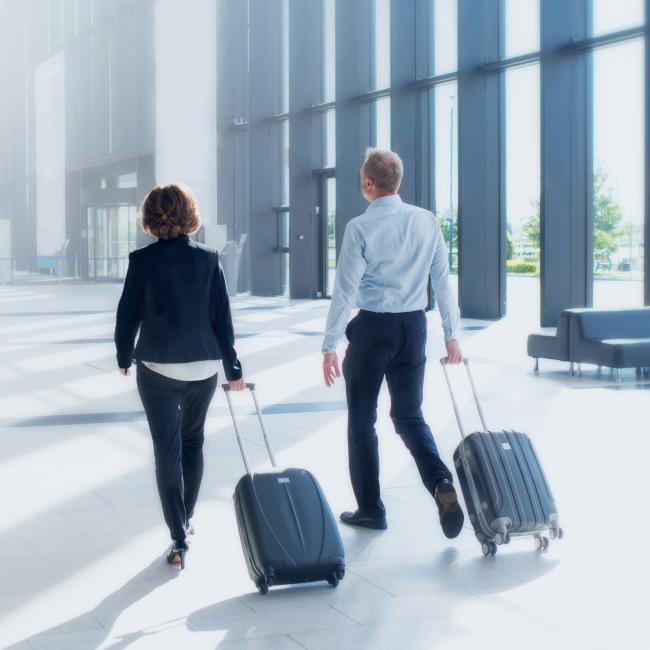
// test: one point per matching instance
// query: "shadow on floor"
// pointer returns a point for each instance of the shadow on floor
(138, 587)
(462, 578)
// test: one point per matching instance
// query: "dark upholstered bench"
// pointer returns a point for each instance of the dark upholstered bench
(551, 345)
(614, 338)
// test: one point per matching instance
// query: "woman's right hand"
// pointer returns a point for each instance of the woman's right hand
(237, 385)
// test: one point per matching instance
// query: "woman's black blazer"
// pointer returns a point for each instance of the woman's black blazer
(175, 292)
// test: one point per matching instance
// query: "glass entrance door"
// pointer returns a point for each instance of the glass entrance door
(328, 235)
(111, 237)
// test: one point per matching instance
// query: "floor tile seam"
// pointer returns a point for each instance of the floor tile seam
(241, 600)
(508, 607)
(505, 572)
(73, 524)
(406, 555)
(293, 638)
(334, 608)
(112, 506)
(406, 619)
(464, 554)
(268, 638)
(259, 615)
(349, 569)
(364, 579)
(404, 502)
(414, 556)
(90, 365)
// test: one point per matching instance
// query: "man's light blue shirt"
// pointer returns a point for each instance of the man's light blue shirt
(386, 256)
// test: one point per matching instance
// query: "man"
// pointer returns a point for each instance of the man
(386, 255)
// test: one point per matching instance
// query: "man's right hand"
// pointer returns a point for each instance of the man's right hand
(331, 368)
(454, 354)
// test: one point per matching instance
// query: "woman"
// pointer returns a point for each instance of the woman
(175, 292)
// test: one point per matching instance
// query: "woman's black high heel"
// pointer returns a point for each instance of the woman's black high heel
(177, 553)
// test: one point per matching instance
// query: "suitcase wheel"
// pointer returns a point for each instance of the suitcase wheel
(502, 538)
(336, 576)
(542, 543)
(489, 548)
(556, 533)
(262, 586)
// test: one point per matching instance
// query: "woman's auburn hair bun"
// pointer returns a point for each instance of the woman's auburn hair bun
(170, 210)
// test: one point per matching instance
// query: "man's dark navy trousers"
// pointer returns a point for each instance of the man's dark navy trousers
(391, 346)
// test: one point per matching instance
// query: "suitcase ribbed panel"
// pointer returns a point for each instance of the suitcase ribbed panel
(521, 448)
(506, 482)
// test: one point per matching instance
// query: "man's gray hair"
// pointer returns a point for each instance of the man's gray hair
(384, 168)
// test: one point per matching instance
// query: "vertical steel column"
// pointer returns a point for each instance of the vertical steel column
(265, 102)
(482, 230)
(405, 117)
(305, 138)
(353, 77)
(567, 192)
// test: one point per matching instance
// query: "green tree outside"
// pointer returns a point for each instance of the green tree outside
(509, 245)
(607, 217)
(531, 228)
(607, 220)
(444, 226)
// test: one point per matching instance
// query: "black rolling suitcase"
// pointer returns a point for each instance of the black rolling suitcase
(505, 490)
(286, 527)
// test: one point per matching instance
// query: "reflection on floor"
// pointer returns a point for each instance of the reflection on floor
(82, 536)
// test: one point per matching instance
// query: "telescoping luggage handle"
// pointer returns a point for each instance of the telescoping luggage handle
(240, 441)
(443, 363)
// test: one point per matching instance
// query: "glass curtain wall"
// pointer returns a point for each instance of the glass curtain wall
(330, 233)
(443, 24)
(616, 15)
(328, 117)
(284, 213)
(329, 82)
(445, 154)
(613, 118)
(380, 38)
(329, 50)
(521, 119)
(520, 153)
(618, 173)
(443, 120)
(521, 25)
(381, 123)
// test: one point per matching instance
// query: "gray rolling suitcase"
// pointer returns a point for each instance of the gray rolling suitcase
(286, 527)
(504, 487)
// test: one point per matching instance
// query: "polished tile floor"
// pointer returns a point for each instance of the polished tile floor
(82, 537)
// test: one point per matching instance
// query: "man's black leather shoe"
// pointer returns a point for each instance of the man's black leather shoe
(451, 515)
(359, 519)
